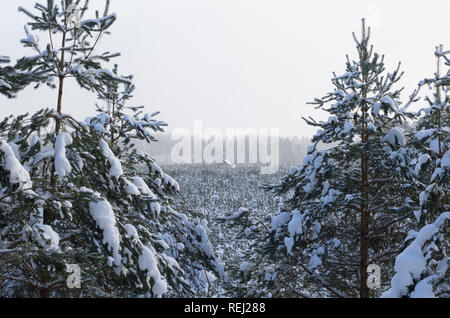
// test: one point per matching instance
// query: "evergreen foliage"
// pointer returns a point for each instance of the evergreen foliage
(350, 204)
(80, 193)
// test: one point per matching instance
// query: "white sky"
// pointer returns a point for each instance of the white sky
(241, 63)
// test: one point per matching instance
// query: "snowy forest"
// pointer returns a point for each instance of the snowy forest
(94, 208)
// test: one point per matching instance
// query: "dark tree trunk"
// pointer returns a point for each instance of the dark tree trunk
(44, 293)
(365, 216)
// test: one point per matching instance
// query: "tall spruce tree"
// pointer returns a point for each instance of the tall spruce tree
(349, 204)
(79, 193)
(423, 268)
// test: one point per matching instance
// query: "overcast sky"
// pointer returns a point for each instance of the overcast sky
(241, 63)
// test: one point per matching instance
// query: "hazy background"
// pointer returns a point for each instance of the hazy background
(241, 63)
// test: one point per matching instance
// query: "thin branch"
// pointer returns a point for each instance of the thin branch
(298, 293)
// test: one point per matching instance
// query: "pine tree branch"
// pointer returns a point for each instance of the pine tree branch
(381, 255)
(381, 228)
(8, 251)
(295, 291)
(373, 209)
(19, 280)
(323, 282)
(439, 294)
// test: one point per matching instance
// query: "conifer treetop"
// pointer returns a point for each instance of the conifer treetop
(69, 50)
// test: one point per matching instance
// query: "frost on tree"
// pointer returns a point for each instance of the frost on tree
(431, 142)
(423, 267)
(347, 203)
(79, 192)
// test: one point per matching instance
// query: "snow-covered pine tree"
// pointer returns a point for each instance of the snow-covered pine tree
(432, 141)
(147, 189)
(78, 195)
(70, 49)
(350, 206)
(23, 269)
(113, 215)
(423, 268)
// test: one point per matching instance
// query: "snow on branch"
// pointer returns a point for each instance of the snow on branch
(411, 264)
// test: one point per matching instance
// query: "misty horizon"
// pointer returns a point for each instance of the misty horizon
(241, 64)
